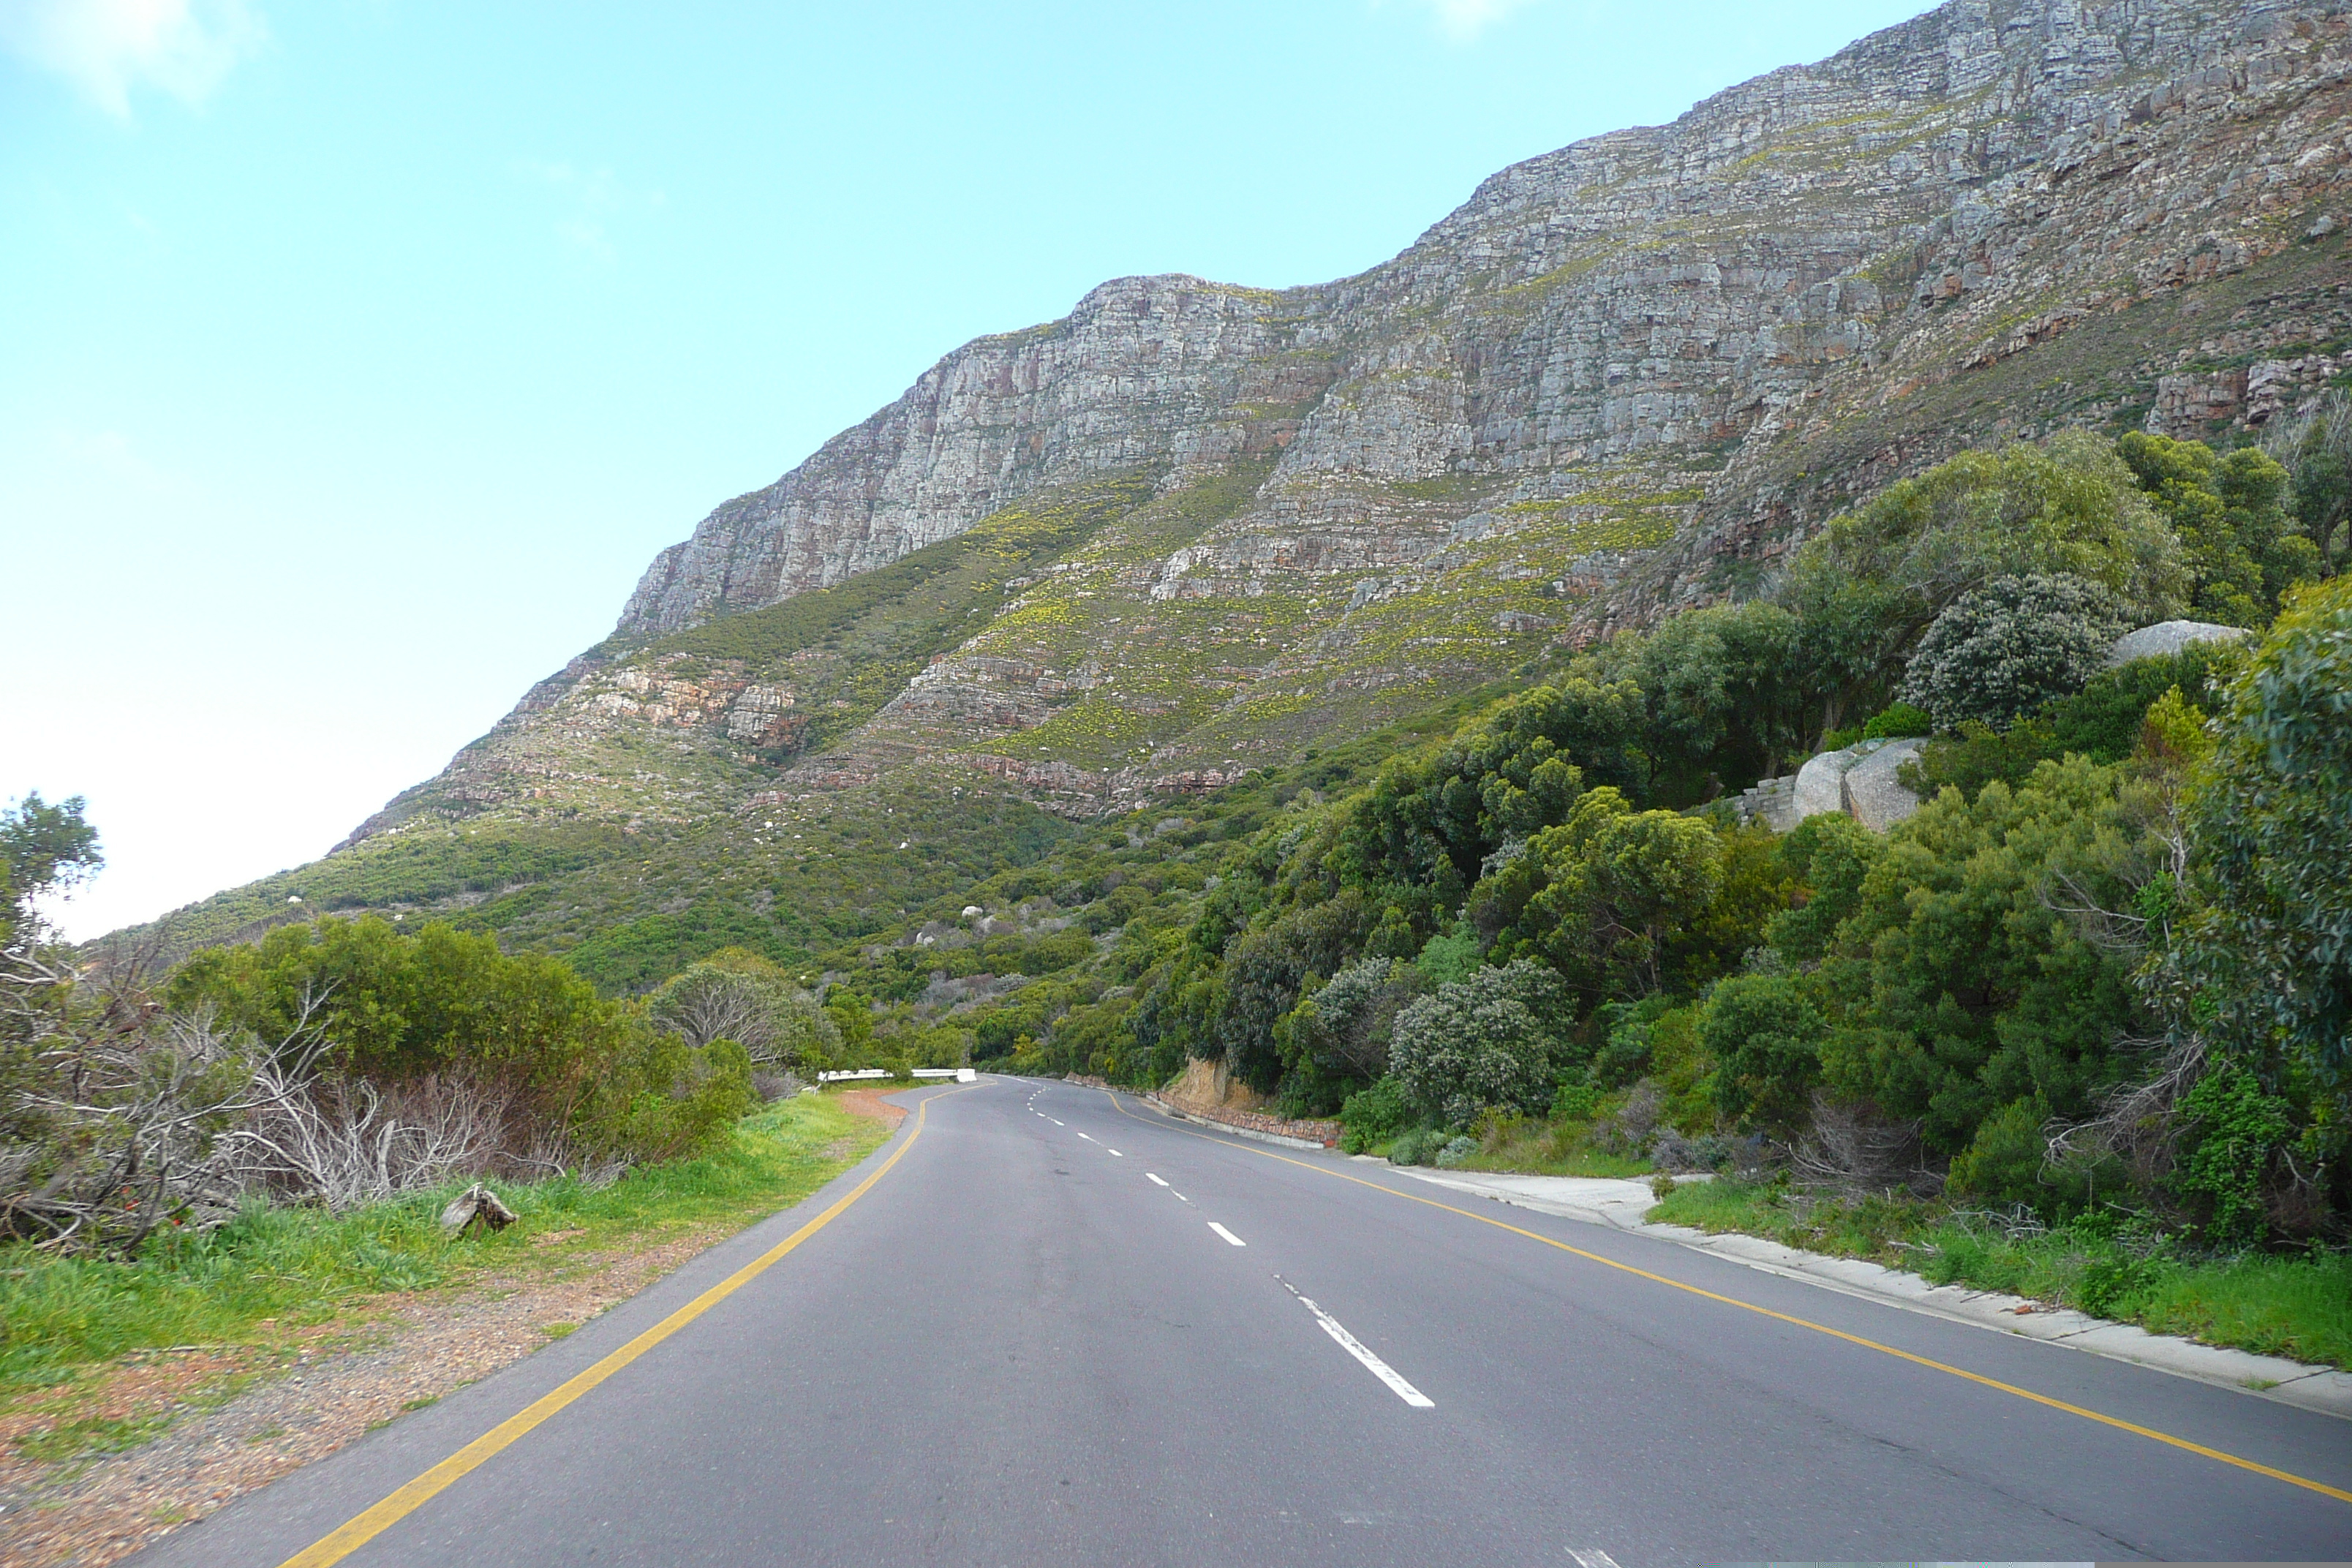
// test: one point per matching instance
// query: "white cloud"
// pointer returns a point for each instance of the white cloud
(107, 46)
(595, 198)
(1463, 20)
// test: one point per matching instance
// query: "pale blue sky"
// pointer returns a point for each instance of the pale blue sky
(355, 356)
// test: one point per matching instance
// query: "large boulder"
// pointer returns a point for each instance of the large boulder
(1820, 783)
(2166, 638)
(1873, 796)
(1858, 781)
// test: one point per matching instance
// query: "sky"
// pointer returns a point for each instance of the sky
(356, 356)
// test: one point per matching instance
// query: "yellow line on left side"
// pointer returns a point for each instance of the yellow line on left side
(365, 1526)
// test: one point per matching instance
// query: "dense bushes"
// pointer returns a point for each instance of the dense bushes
(356, 1022)
(1493, 1041)
(1623, 958)
(2008, 648)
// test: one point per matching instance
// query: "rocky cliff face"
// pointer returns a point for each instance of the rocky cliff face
(1699, 298)
(1146, 373)
(1192, 528)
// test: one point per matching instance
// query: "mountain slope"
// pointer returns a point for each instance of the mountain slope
(1192, 529)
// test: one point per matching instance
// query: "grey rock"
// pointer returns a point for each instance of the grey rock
(1629, 371)
(1772, 801)
(2169, 637)
(1815, 242)
(1873, 798)
(1820, 783)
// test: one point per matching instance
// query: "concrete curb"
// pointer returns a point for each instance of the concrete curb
(2323, 1390)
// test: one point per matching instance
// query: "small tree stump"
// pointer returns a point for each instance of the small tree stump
(477, 1206)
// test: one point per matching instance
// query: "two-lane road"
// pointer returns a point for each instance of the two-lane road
(1058, 1329)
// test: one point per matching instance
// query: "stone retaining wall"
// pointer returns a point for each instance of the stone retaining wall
(1325, 1132)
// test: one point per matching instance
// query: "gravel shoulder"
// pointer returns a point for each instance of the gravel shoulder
(169, 1436)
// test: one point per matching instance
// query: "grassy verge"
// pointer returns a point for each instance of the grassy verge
(1531, 1146)
(2300, 1308)
(261, 1280)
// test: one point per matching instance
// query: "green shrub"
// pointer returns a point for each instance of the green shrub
(1490, 1041)
(2102, 721)
(2264, 968)
(2005, 1160)
(2003, 650)
(1418, 1146)
(1765, 1034)
(1899, 722)
(1454, 1152)
(2237, 1131)
(1575, 1101)
(1372, 1115)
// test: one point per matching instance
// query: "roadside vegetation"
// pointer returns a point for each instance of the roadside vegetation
(2096, 985)
(271, 1276)
(2105, 1262)
(262, 1141)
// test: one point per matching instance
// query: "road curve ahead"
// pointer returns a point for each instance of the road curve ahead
(1062, 1330)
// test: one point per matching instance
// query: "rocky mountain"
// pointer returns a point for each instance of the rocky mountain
(1193, 528)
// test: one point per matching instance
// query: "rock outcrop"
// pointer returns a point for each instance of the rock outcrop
(1969, 188)
(1873, 795)
(2170, 636)
(1195, 528)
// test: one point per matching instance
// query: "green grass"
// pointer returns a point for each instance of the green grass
(2299, 1307)
(1537, 1147)
(271, 1271)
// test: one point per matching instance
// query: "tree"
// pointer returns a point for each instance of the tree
(2068, 505)
(44, 850)
(2001, 651)
(1765, 1034)
(2315, 449)
(1828, 855)
(1342, 1032)
(1726, 690)
(1491, 1042)
(1958, 983)
(2230, 513)
(1603, 894)
(1851, 634)
(2265, 963)
(737, 996)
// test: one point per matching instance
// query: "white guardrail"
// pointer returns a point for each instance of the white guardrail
(962, 1075)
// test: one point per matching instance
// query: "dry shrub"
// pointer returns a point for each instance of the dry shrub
(1853, 1149)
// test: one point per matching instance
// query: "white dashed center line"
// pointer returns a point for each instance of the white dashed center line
(1228, 1234)
(1379, 1368)
(1155, 1181)
(1057, 1121)
(1113, 1152)
(1087, 1136)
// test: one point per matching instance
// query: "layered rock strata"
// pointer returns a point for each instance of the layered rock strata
(1621, 377)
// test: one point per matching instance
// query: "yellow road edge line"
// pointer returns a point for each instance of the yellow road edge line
(2150, 1432)
(371, 1523)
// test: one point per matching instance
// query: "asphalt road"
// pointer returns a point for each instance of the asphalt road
(1061, 1329)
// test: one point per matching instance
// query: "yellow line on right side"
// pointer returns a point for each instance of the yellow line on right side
(2339, 1493)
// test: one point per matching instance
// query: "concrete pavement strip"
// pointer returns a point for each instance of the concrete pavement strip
(1620, 1205)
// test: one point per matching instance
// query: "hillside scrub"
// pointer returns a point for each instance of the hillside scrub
(1974, 998)
(578, 1078)
(340, 1064)
(271, 1272)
